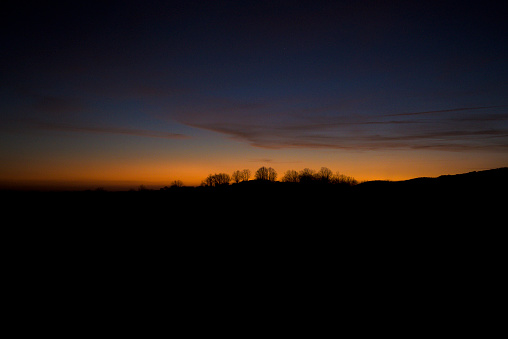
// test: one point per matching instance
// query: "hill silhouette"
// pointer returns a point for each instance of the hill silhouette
(475, 178)
(490, 181)
(275, 201)
(458, 194)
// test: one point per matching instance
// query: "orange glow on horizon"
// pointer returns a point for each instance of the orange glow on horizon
(155, 174)
(157, 167)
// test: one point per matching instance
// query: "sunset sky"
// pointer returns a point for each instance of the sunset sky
(122, 93)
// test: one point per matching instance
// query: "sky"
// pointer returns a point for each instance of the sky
(143, 92)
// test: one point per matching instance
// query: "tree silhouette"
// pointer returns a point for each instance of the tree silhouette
(246, 174)
(243, 175)
(291, 176)
(222, 179)
(306, 175)
(237, 176)
(324, 175)
(341, 179)
(262, 173)
(272, 174)
(176, 183)
(214, 180)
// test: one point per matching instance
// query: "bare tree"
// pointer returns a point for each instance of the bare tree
(306, 175)
(272, 174)
(243, 175)
(209, 181)
(344, 179)
(262, 173)
(237, 176)
(324, 175)
(291, 176)
(222, 179)
(246, 174)
(177, 183)
(214, 180)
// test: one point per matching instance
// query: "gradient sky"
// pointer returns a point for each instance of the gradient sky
(126, 93)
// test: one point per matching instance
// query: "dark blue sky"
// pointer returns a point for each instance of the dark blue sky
(305, 78)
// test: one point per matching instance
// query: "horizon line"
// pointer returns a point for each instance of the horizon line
(66, 185)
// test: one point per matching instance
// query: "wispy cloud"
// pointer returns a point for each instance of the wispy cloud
(393, 131)
(444, 111)
(271, 161)
(110, 130)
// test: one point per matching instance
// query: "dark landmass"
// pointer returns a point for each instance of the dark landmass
(424, 237)
(472, 185)
(278, 202)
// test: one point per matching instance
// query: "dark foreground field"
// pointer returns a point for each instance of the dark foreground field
(430, 250)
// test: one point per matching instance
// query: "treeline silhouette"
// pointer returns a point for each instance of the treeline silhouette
(307, 192)
(268, 174)
(266, 177)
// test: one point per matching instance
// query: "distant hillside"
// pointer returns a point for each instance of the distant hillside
(498, 175)
(492, 176)
(482, 186)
